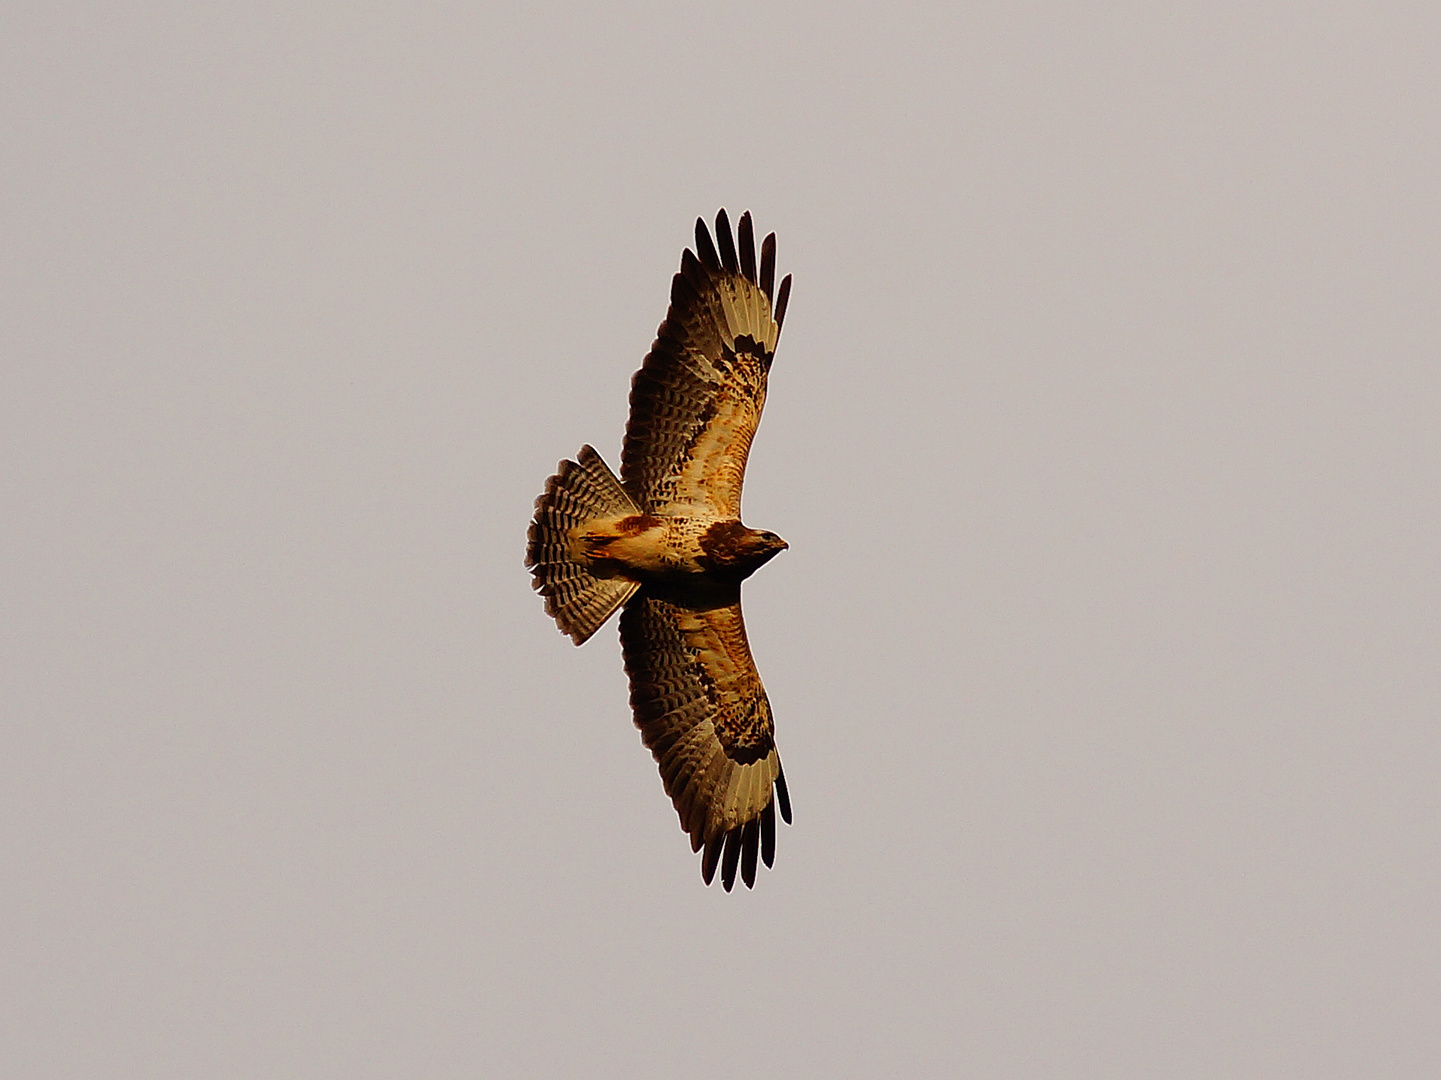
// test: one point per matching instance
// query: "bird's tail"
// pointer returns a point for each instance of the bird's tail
(580, 598)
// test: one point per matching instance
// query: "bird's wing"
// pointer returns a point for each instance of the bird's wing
(701, 709)
(696, 401)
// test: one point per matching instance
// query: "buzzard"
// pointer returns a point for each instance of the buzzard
(665, 543)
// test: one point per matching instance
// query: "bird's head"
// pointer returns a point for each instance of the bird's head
(734, 549)
(768, 543)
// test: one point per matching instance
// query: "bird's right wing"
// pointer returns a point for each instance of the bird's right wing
(702, 711)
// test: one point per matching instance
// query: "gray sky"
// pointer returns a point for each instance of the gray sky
(1104, 431)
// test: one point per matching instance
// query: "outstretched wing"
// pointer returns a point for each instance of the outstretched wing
(701, 709)
(696, 401)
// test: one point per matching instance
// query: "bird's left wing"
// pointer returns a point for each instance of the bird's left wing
(702, 711)
(696, 401)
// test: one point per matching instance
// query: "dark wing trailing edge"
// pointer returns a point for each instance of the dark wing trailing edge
(696, 401)
(703, 712)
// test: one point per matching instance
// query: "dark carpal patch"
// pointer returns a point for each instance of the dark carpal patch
(744, 744)
(749, 346)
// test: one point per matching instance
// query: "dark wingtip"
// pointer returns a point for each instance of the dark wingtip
(704, 248)
(744, 847)
(767, 280)
(685, 287)
(746, 247)
(731, 858)
(750, 848)
(726, 241)
(711, 857)
(783, 300)
(783, 796)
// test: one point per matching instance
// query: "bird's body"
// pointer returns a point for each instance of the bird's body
(665, 542)
(690, 549)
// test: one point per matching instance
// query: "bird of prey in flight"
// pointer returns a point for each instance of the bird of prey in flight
(665, 543)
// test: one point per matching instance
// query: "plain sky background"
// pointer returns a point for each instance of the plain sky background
(1106, 658)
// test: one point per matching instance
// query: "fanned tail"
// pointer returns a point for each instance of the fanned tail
(579, 599)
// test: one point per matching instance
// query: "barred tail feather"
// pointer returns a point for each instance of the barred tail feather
(579, 599)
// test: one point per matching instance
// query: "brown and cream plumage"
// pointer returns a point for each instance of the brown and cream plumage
(666, 543)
